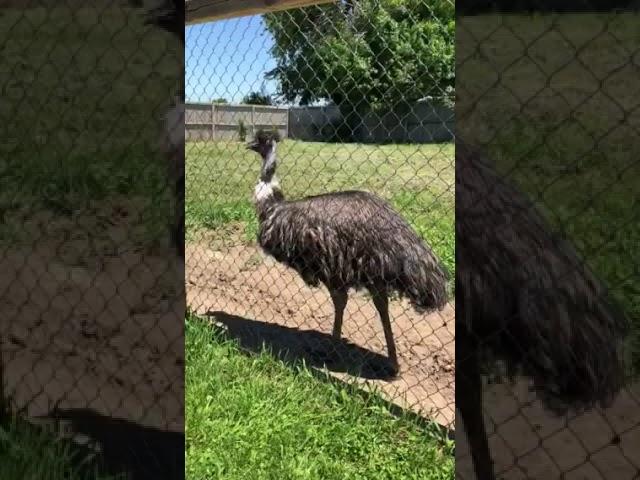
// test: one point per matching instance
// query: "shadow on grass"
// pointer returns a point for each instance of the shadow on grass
(316, 349)
(129, 449)
(319, 350)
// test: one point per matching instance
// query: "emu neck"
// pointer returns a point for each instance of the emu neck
(268, 171)
(268, 190)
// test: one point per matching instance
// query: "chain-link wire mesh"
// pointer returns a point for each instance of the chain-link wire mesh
(360, 95)
(551, 99)
(91, 292)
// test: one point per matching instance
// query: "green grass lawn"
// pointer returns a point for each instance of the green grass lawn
(562, 122)
(255, 417)
(417, 179)
(81, 109)
(29, 453)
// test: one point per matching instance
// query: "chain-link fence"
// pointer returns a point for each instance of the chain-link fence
(360, 95)
(551, 99)
(91, 292)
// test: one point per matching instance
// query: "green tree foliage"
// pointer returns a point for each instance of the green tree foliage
(257, 98)
(369, 54)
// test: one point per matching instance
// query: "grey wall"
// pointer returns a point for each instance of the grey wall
(419, 123)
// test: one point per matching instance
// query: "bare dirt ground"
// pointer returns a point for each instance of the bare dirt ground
(258, 300)
(529, 443)
(89, 320)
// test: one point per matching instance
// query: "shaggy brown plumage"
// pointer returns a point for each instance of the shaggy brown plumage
(353, 239)
(346, 240)
(525, 298)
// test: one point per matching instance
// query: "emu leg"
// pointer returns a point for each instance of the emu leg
(381, 301)
(469, 404)
(339, 298)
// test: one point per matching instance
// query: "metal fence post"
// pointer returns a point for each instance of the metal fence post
(213, 121)
(253, 120)
(286, 128)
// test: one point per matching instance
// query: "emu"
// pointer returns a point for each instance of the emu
(526, 300)
(345, 240)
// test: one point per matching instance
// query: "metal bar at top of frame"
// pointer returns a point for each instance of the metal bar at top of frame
(200, 11)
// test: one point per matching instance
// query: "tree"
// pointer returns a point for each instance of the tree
(219, 100)
(370, 54)
(258, 98)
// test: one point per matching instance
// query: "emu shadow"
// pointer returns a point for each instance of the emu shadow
(316, 349)
(135, 451)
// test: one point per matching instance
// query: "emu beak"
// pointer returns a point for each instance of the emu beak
(252, 146)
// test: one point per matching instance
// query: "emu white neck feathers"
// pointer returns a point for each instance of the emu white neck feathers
(268, 183)
(265, 190)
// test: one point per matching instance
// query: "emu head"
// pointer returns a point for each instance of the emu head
(264, 144)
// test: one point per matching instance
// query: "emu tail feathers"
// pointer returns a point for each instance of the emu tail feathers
(423, 280)
(577, 362)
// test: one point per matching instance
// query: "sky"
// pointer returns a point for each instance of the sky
(227, 59)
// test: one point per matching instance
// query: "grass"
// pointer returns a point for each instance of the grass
(30, 453)
(562, 122)
(83, 91)
(255, 417)
(417, 179)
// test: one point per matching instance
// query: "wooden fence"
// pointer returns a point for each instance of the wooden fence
(419, 123)
(220, 121)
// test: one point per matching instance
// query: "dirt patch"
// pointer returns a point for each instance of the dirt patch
(91, 320)
(259, 300)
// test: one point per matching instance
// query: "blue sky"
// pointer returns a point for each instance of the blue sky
(227, 59)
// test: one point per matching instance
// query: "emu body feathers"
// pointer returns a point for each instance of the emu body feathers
(353, 239)
(528, 297)
(525, 299)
